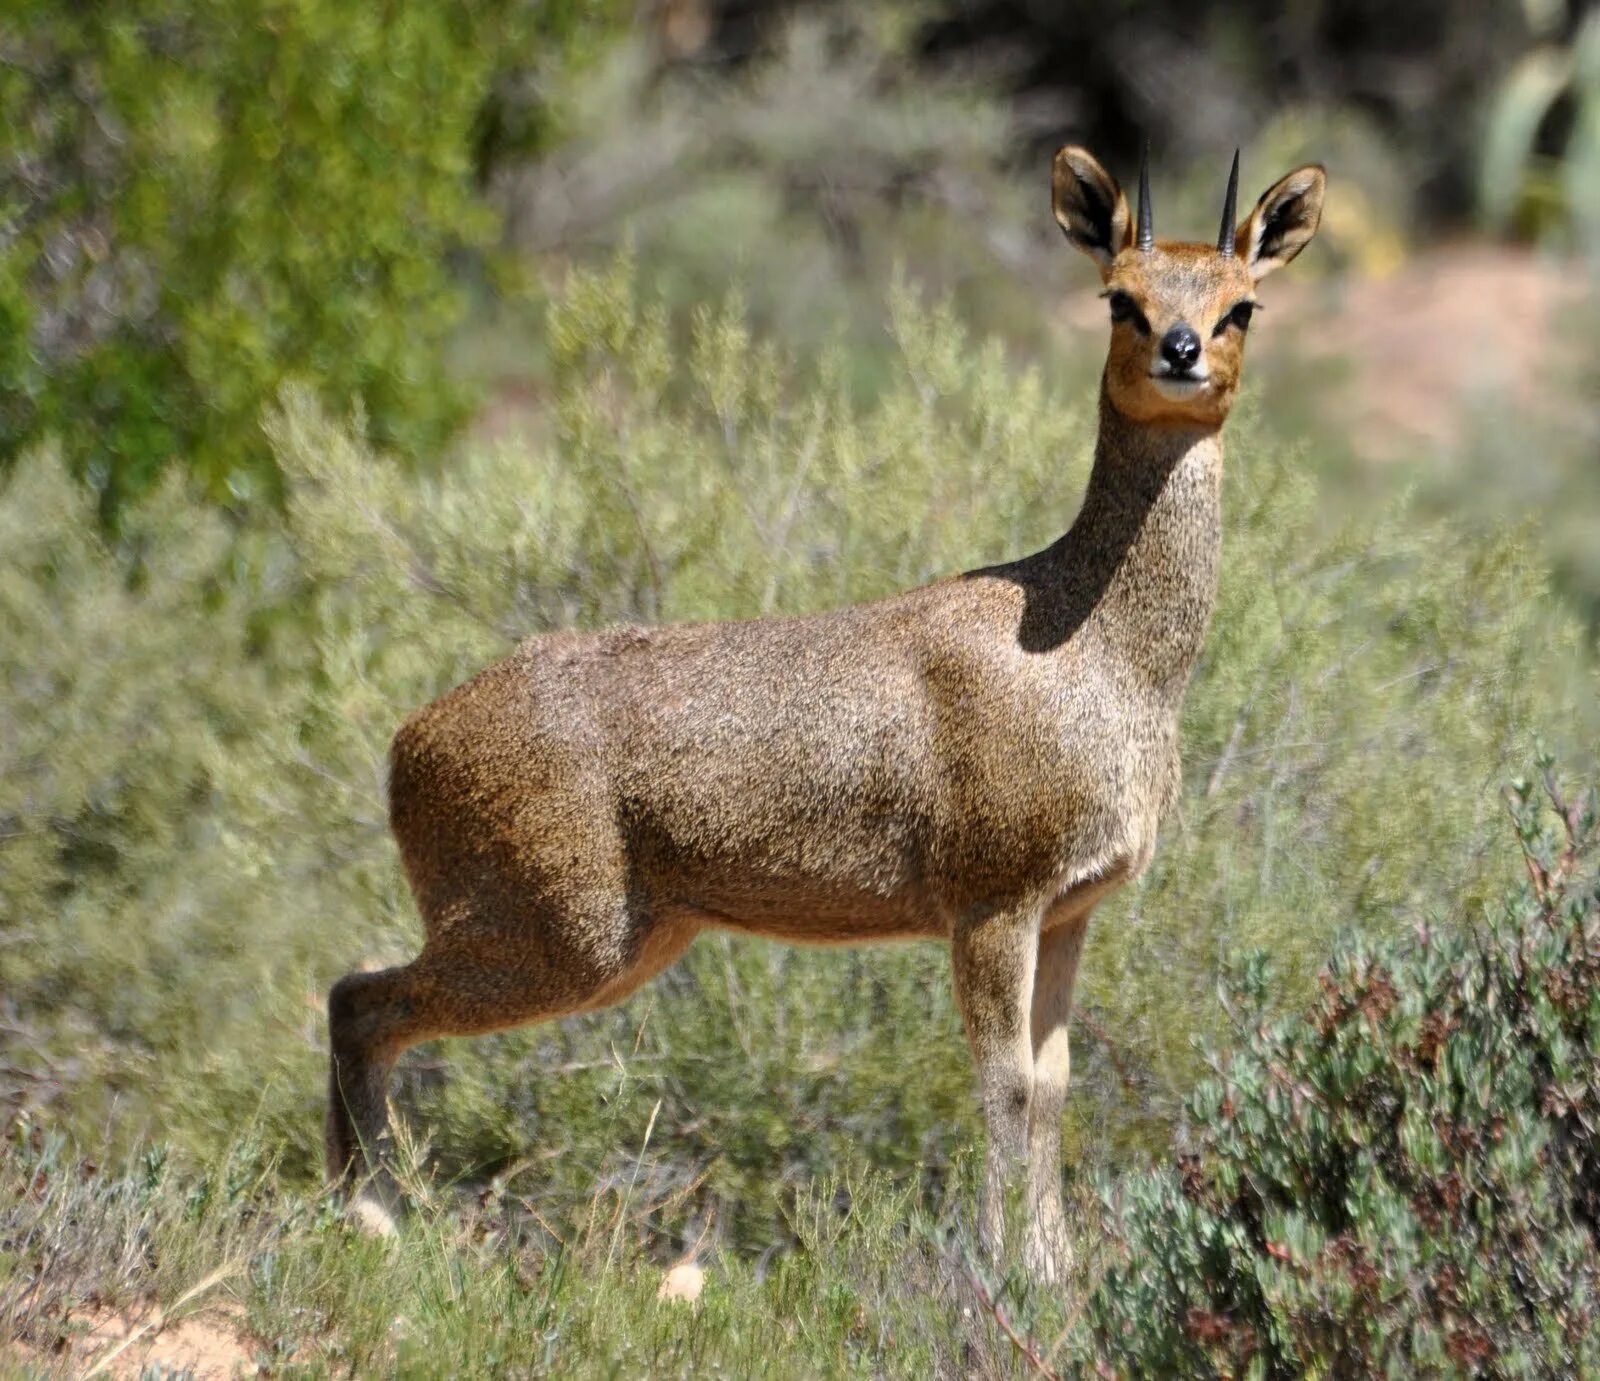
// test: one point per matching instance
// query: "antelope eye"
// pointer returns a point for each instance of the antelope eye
(1124, 308)
(1238, 315)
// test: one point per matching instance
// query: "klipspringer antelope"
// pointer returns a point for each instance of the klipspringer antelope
(979, 762)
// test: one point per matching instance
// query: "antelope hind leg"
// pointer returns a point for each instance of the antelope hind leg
(450, 989)
(371, 1020)
(455, 987)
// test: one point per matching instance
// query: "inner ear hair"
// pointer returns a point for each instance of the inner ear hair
(1088, 204)
(1289, 213)
(1097, 210)
(1284, 219)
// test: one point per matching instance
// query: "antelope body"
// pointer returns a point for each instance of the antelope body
(980, 761)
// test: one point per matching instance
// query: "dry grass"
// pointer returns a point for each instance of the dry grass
(222, 1272)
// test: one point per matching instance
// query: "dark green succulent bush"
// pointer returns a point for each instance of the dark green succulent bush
(1406, 1180)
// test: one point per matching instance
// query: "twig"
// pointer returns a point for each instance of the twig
(638, 1164)
(1024, 1345)
(778, 541)
(658, 580)
(1119, 1065)
(1214, 782)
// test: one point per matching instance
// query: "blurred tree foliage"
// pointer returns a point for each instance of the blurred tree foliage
(202, 198)
(804, 180)
(1199, 76)
(1541, 154)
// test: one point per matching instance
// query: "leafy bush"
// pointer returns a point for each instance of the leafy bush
(197, 716)
(1405, 1181)
(201, 200)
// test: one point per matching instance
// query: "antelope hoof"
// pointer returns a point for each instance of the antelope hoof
(372, 1216)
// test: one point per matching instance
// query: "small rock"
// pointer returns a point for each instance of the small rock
(684, 1281)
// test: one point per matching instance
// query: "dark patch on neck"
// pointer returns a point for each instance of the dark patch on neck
(1143, 519)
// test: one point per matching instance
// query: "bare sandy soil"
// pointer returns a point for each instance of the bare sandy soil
(211, 1346)
(1415, 355)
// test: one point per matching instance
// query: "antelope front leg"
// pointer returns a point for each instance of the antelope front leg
(992, 957)
(1047, 1251)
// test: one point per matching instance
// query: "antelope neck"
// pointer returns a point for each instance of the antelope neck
(1139, 564)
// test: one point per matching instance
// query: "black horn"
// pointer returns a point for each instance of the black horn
(1230, 208)
(1147, 232)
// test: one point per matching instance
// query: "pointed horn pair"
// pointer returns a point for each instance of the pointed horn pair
(1230, 207)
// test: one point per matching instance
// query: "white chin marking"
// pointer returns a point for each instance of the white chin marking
(1178, 388)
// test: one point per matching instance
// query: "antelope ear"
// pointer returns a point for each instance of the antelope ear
(1089, 206)
(1284, 220)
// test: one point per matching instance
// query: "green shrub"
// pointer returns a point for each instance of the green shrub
(804, 176)
(192, 824)
(1406, 1180)
(204, 198)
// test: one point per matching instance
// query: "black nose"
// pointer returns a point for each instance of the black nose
(1180, 347)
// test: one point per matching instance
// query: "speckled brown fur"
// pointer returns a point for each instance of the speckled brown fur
(978, 762)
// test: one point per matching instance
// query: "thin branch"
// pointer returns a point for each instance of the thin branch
(1119, 1064)
(1214, 782)
(779, 541)
(1023, 1344)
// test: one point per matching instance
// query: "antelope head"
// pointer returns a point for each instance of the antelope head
(1180, 310)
